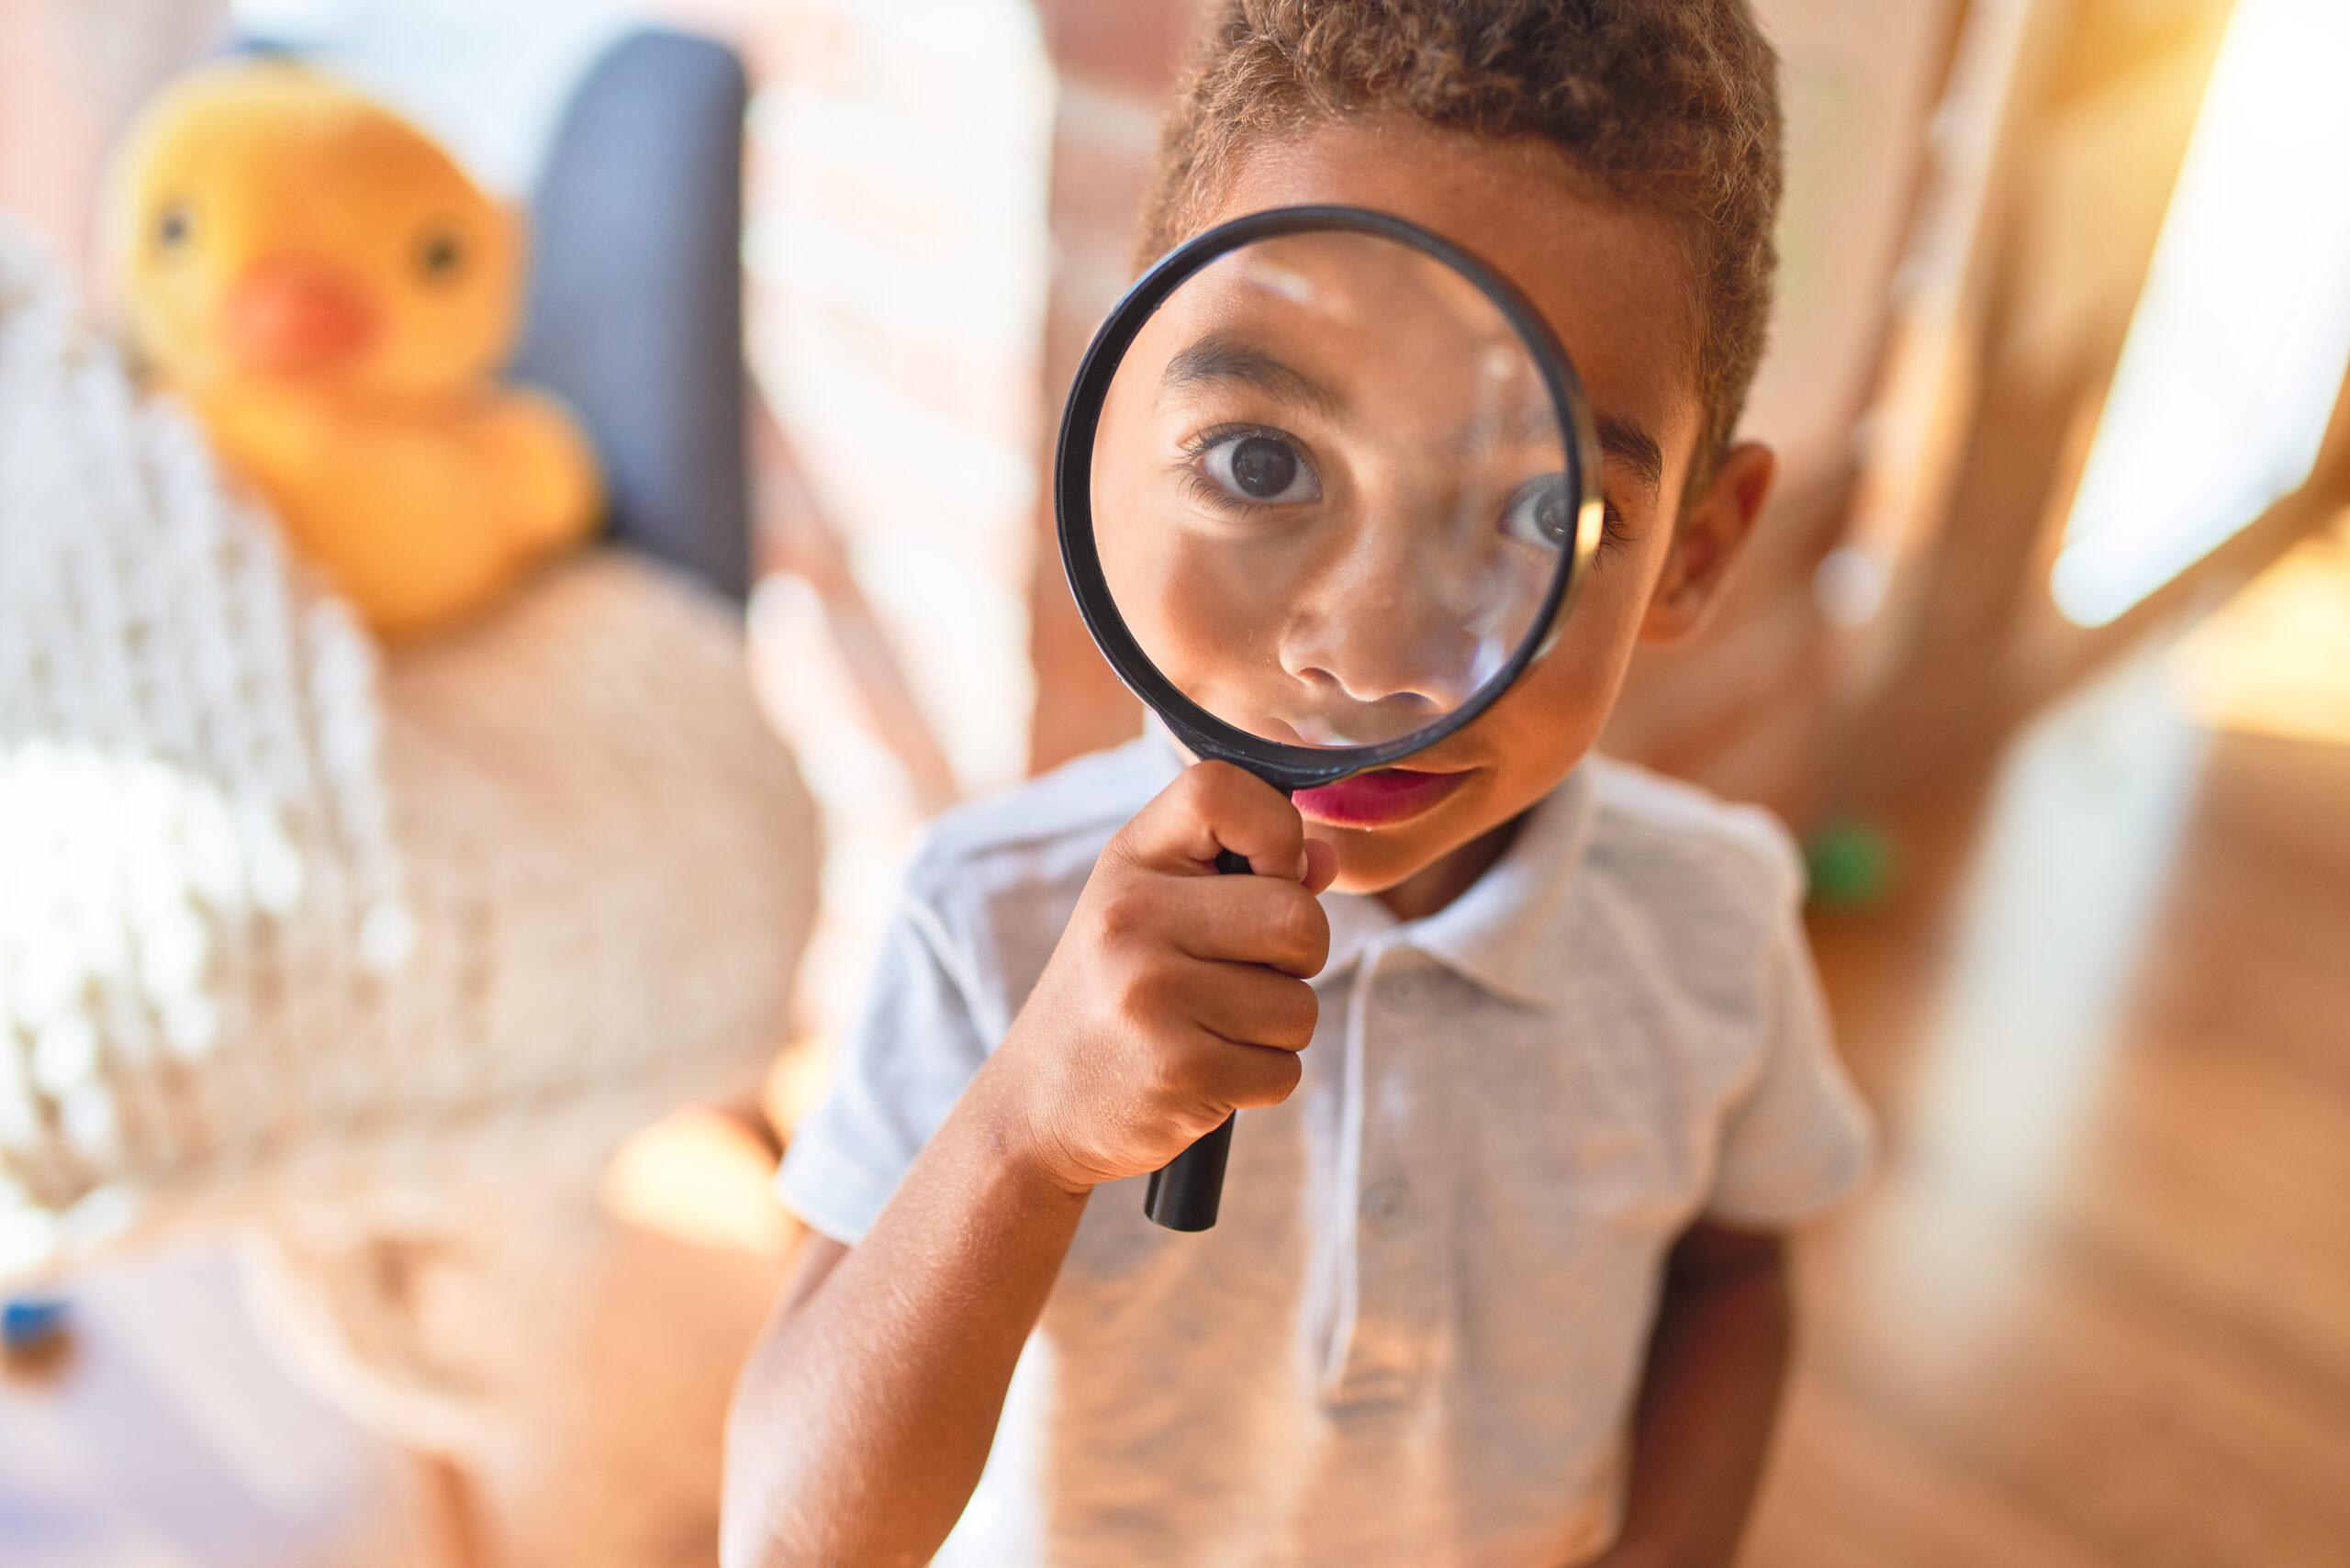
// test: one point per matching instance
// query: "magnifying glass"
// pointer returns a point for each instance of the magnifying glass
(1327, 486)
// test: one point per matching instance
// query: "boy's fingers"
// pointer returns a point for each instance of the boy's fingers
(1247, 1004)
(1240, 920)
(1229, 1077)
(1213, 808)
(1250, 1005)
(1321, 866)
(1263, 1078)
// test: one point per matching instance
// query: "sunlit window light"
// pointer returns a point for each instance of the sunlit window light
(2241, 336)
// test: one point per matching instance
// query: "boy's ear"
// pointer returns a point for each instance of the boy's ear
(1712, 529)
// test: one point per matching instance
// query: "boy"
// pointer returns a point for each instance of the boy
(1497, 1278)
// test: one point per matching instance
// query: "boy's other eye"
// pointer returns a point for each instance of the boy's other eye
(174, 226)
(1538, 513)
(1261, 467)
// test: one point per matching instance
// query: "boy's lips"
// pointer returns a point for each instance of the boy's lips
(1381, 797)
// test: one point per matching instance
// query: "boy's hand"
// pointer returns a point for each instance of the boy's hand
(1176, 995)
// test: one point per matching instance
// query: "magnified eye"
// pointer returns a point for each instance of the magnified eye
(1260, 467)
(174, 226)
(1539, 513)
(439, 255)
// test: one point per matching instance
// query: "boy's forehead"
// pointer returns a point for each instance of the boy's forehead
(1612, 280)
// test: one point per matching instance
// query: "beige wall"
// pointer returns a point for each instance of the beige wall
(1116, 64)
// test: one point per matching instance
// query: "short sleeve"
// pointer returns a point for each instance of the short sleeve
(1800, 1137)
(913, 1049)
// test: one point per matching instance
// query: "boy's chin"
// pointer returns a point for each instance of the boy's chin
(1457, 843)
(1374, 861)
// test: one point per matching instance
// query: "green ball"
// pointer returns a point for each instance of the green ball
(1851, 864)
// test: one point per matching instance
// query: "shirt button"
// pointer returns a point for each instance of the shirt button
(1405, 992)
(1387, 1205)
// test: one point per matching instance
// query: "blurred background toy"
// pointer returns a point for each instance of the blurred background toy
(331, 293)
(1851, 864)
(376, 954)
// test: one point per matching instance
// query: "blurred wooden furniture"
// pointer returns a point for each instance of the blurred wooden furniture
(2058, 140)
(2096, 1311)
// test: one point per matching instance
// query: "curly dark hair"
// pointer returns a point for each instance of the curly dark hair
(1670, 104)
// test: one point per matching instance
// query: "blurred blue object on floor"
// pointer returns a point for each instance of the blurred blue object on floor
(30, 1323)
(174, 1438)
(36, 1337)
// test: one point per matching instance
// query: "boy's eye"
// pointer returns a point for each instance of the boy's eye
(1261, 468)
(1539, 513)
(174, 226)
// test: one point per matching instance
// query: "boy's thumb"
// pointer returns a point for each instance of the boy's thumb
(1321, 866)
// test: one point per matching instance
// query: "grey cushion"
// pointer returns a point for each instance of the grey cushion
(635, 304)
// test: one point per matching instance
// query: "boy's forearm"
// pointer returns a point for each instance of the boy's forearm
(863, 1418)
(1716, 1365)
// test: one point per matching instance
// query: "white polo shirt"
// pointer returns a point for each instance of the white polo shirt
(1415, 1333)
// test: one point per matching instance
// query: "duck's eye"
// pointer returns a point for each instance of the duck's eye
(441, 256)
(174, 226)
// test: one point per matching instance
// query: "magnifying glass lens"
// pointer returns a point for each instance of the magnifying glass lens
(1331, 491)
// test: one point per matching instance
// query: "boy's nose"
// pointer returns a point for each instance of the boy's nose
(1384, 642)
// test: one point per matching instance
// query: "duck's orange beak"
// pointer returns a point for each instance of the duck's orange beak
(293, 314)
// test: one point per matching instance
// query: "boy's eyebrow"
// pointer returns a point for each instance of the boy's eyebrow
(1627, 442)
(1221, 357)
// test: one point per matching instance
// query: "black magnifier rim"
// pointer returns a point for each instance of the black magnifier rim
(1207, 736)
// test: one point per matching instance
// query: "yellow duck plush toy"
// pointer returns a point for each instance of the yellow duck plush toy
(327, 288)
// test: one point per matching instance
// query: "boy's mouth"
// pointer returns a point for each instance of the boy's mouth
(1382, 798)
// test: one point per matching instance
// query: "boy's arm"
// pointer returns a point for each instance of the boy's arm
(1175, 996)
(864, 1417)
(1716, 1361)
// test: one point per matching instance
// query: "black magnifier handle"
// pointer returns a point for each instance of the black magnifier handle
(1185, 1191)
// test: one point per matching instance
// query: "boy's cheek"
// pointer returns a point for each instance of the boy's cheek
(1546, 722)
